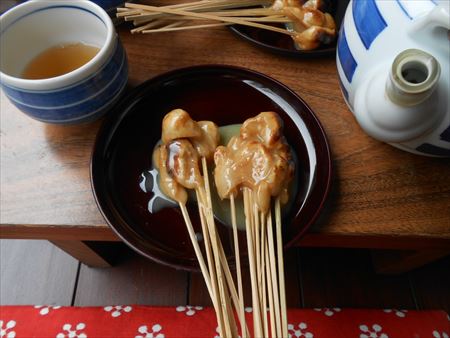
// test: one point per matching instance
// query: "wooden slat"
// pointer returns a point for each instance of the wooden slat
(431, 285)
(99, 232)
(198, 294)
(396, 262)
(133, 280)
(316, 238)
(346, 278)
(35, 272)
(293, 293)
(84, 252)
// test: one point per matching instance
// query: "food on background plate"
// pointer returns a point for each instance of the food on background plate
(312, 25)
(307, 22)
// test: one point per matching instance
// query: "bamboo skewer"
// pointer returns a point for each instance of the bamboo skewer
(256, 245)
(238, 267)
(251, 257)
(207, 16)
(205, 200)
(194, 7)
(273, 271)
(197, 250)
(247, 12)
(172, 29)
(147, 26)
(270, 293)
(230, 314)
(203, 268)
(281, 266)
(209, 4)
(234, 295)
(141, 19)
(263, 277)
(122, 12)
(215, 245)
(218, 267)
(146, 18)
(212, 271)
(257, 239)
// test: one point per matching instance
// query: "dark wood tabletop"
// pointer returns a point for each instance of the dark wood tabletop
(381, 197)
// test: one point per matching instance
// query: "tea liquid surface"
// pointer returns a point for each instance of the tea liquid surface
(59, 60)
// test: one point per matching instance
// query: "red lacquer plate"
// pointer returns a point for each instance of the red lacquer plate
(225, 95)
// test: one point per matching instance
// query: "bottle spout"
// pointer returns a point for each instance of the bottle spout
(399, 102)
(413, 77)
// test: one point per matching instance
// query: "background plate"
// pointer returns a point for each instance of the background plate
(225, 95)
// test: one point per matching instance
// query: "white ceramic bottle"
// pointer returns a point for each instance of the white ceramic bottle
(393, 63)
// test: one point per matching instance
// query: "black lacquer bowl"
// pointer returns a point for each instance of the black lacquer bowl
(225, 95)
(283, 44)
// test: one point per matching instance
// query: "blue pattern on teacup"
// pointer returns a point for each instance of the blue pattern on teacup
(85, 110)
(70, 94)
(82, 101)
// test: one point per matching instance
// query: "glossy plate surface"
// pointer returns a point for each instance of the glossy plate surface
(283, 44)
(225, 95)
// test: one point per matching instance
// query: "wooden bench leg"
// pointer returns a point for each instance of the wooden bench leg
(396, 262)
(85, 252)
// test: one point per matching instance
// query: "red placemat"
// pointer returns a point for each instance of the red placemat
(194, 321)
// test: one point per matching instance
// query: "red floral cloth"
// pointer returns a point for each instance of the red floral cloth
(197, 322)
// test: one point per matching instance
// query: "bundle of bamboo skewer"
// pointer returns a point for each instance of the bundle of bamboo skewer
(302, 20)
(258, 164)
(264, 244)
(173, 182)
(203, 14)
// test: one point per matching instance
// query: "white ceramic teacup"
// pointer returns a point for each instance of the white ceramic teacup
(78, 96)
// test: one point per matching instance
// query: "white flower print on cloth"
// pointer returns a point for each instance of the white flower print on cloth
(248, 309)
(154, 333)
(6, 332)
(328, 311)
(45, 309)
(436, 334)
(218, 335)
(189, 310)
(117, 310)
(299, 331)
(69, 333)
(374, 332)
(398, 313)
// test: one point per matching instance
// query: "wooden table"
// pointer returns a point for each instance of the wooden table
(382, 198)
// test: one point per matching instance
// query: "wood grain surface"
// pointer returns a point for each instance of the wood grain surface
(346, 278)
(319, 278)
(430, 285)
(35, 272)
(133, 280)
(381, 196)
